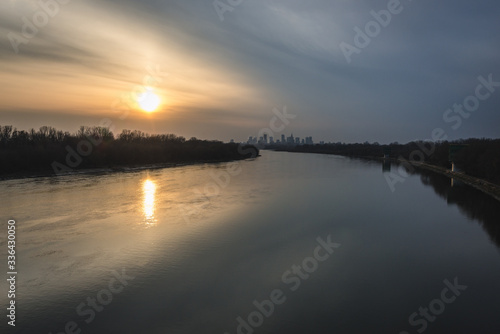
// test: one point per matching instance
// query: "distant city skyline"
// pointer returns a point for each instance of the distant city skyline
(186, 68)
(283, 140)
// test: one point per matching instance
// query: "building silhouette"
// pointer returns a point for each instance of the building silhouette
(288, 141)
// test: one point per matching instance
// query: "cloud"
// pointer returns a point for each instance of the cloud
(264, 54)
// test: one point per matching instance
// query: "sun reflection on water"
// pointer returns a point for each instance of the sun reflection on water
(148, 204)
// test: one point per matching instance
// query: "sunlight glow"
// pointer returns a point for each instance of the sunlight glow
(148, 207)
(148, 101)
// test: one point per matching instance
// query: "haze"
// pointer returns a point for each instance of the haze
(221, 79)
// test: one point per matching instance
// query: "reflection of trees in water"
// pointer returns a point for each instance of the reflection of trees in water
(471, 202)
(386, 166)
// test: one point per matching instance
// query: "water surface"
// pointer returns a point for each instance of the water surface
(204, 242)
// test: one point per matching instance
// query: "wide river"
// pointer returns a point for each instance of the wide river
(285, 243)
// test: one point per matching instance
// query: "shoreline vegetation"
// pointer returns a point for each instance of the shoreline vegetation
(478, 162)
(477, 183)
(49, 152)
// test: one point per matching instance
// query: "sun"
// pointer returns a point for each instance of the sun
(148, 101)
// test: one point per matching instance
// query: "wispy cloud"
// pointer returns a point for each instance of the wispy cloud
(230, 74)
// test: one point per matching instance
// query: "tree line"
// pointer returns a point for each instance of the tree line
(50, 150)
(480, 157)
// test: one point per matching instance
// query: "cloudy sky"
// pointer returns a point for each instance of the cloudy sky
(221, 67)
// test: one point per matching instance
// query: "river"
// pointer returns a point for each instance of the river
(285, 243)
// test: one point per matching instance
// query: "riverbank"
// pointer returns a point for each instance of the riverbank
(48, 151)
(484, 186)
(477, 183)
(479, 157)
(113, 169)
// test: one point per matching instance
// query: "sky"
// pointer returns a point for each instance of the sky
(348, 71)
